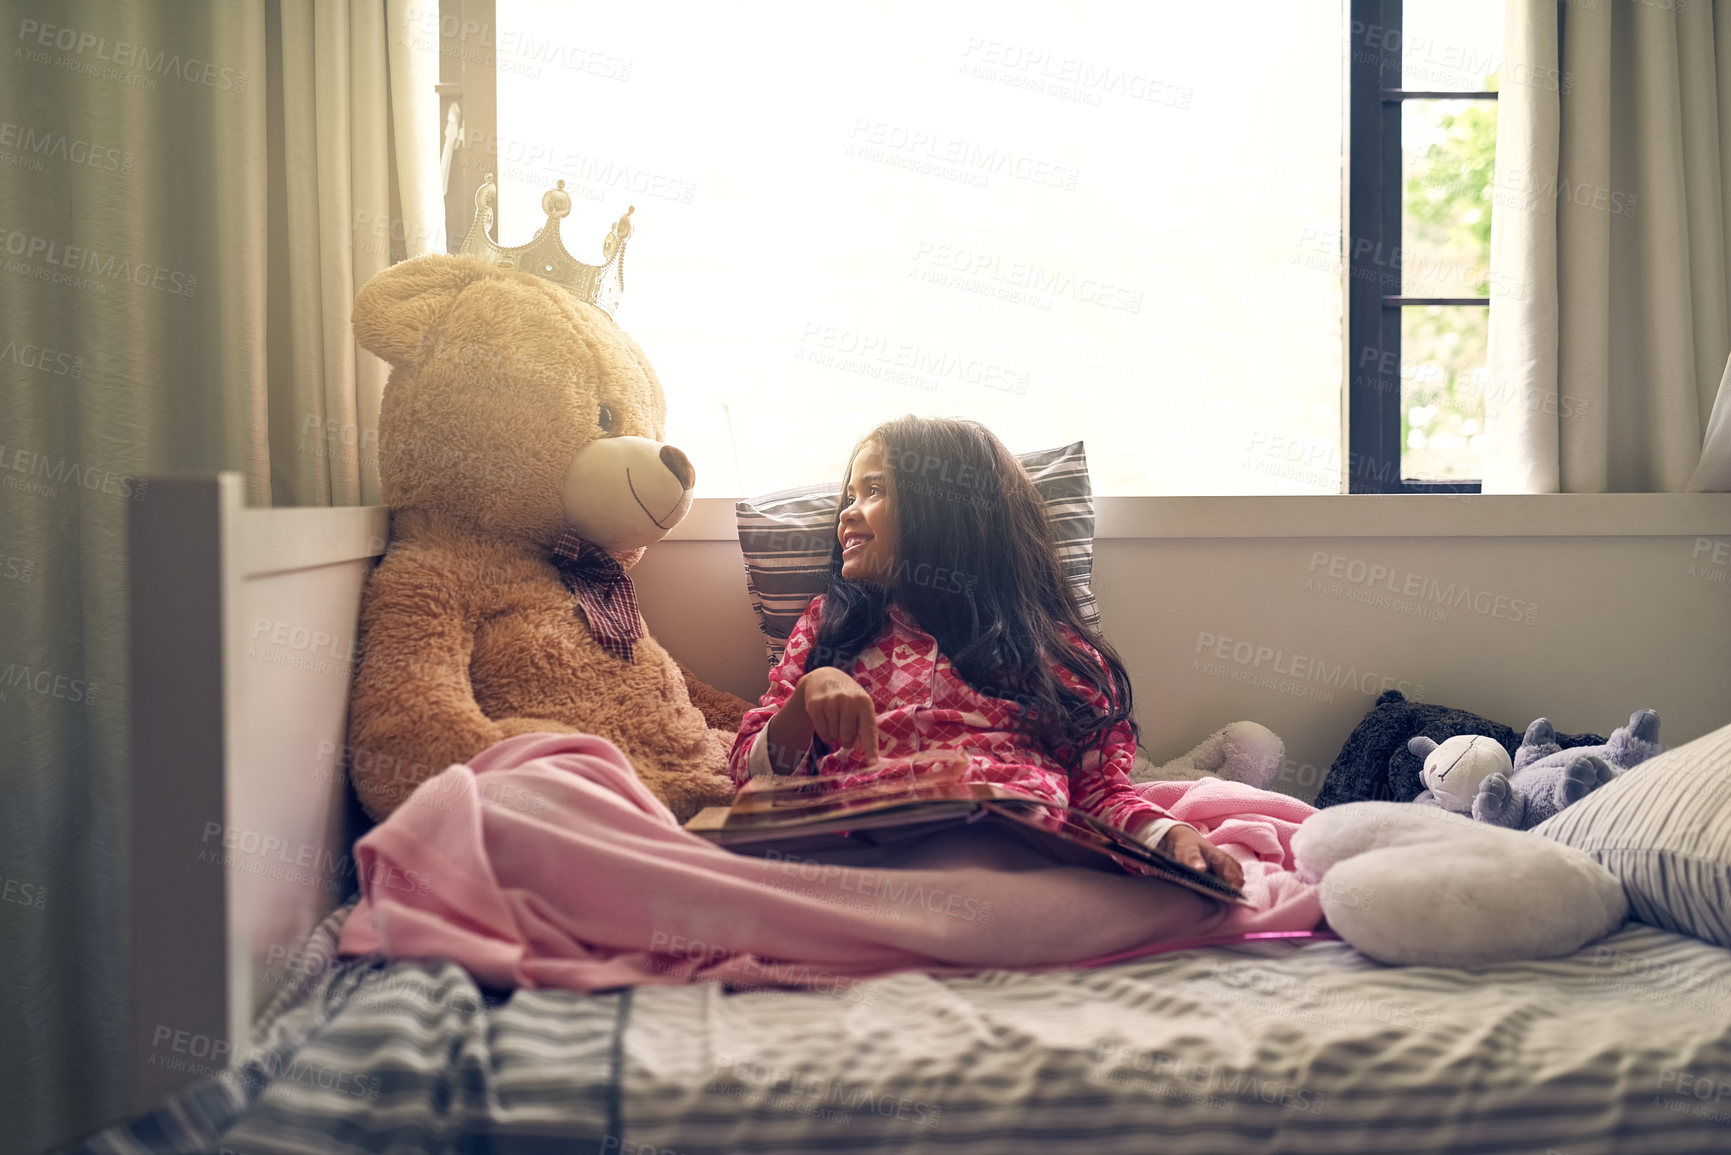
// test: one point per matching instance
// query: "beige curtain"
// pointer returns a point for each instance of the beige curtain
(1713, 475)
(190, 193)
(1610, 325)
(336, 228)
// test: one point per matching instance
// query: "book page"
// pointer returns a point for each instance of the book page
(792, 800)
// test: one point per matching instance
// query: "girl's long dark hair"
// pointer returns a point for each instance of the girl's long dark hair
(977, 567)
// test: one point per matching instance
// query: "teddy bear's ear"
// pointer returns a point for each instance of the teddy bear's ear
(399, 313)
(1420, 746)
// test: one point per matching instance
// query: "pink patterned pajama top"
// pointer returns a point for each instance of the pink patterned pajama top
(923, 705)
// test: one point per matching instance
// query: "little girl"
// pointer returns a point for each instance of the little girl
(948, 633)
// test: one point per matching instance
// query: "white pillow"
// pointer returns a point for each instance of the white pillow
(1418, 886)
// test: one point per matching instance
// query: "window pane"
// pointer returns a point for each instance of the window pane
(1108, 223)
(1451, 45)
(1449, 150)
(1442, 392)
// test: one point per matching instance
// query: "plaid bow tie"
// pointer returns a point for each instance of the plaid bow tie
(603, 590)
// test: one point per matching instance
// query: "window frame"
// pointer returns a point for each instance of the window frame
(1372, 240)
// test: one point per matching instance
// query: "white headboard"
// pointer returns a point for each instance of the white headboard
(243, 641)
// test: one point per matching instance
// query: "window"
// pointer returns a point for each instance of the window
(1126, 224)
(1023, 214)
(1423, 131)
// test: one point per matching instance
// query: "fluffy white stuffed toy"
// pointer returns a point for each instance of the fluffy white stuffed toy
(1453, 770)
(1419, 886)
(1245, 752)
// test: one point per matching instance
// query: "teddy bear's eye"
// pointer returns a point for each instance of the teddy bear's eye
(605, 418)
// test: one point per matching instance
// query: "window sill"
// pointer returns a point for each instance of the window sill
(1362, 515)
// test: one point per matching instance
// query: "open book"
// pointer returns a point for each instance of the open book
(801, 813)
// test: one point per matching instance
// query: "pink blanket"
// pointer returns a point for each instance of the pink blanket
(546, 863)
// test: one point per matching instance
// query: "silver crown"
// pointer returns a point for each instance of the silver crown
(545, 254)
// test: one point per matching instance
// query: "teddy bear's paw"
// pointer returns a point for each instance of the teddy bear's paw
(686, 794)
(716, 790)
(1583, 776)
(1540, 741)
(1635, 743)
(1644, 725)
(1496, 803)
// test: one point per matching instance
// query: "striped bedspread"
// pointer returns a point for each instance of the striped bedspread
(1624, 1047)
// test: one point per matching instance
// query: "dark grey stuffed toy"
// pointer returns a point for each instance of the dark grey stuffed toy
(1375, 764)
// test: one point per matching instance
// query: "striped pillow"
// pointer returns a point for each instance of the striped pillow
(786, 539)
(1664, 829)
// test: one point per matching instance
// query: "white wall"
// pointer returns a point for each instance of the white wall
(1297, 612)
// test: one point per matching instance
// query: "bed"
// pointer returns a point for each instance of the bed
(246, 1035)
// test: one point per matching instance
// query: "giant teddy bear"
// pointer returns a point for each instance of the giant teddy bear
(519, 420)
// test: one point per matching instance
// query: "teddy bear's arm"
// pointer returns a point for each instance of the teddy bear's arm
(413, 711)
(723, 711)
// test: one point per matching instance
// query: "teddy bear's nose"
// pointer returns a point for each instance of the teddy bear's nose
(679, 465)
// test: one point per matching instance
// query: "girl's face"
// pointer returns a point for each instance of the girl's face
(867, 527)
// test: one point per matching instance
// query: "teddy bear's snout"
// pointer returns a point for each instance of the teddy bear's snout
(679, 465)
(626, 492)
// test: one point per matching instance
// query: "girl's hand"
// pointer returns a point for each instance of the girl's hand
(840, 711)
(1195, 851)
